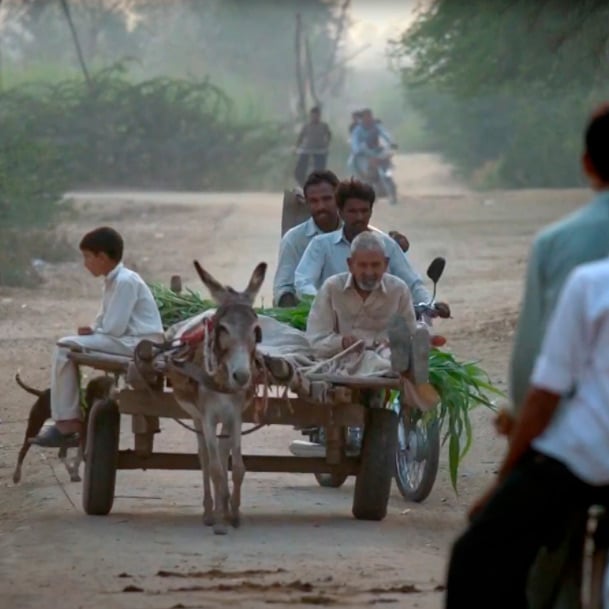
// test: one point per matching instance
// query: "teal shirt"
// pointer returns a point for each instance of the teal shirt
(580, 237)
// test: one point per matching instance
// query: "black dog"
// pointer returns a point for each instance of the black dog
(98, 388)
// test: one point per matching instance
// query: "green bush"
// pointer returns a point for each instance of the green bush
(504, 89)
(32, 181)
(161, 133)
(511, 139)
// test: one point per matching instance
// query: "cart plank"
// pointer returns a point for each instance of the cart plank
(279, 412)
(128, 459)
(100, 361)
(359, 382)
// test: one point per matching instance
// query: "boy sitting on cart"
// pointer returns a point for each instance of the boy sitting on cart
(127, 315)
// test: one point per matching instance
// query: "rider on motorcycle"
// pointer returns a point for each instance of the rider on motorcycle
(366, 144)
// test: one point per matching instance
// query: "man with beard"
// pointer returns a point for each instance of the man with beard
(368, 306)
(318, 191)
(327, 255)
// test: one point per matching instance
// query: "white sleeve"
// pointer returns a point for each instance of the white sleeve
(120, 309)
(308, 272)
(565, 343)
(400, 267)
(321, 325)
(286, 268)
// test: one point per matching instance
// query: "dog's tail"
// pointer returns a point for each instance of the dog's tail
(27, 388)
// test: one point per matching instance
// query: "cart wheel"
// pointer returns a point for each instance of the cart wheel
(417, 455)
(373, 481)
(330, 480)
(101, 458)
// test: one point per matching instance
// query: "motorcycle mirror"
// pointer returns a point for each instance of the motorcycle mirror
(436, 268)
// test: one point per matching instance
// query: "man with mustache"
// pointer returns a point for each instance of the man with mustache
(318, 191)
(327, 255)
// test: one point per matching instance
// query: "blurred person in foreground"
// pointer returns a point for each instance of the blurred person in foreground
(578, 238)
(557, 463)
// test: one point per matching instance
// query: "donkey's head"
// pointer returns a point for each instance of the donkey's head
(235, 326)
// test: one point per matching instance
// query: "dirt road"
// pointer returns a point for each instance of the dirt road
(298, 543)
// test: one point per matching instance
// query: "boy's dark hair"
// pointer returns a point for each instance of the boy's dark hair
(322, 176)
(316, 109)
(354, 189)
(103, 240)
(597, 142)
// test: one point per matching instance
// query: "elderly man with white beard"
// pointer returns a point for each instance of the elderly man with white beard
(369, 305)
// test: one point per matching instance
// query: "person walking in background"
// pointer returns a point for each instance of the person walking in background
(313, 141)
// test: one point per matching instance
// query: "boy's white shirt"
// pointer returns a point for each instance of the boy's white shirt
(574, 363)
(128, 308)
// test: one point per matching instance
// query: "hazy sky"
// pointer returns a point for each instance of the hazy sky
(375, 22)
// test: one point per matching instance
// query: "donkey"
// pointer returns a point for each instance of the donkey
(217, 394)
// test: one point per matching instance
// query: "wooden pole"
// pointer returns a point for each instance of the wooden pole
(302, 102)
(310, 72)
(81, 59)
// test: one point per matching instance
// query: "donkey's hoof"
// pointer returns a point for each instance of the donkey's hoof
(75, 478)
(208, 520)
(220, 529)
(17, 476)
(235, 520)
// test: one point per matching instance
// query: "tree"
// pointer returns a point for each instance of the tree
(508, 82)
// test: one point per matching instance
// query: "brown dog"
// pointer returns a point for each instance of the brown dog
(98, 388)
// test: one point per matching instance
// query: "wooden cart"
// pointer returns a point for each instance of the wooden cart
(392, 440)
(330, 402)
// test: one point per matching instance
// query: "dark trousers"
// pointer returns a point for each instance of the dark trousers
(302, 165)
(535, 507)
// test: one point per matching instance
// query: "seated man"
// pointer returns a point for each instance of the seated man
(318, 192)
(366, 142)
(128, 314)
(327, 255)
(557, 463)
(368, 306)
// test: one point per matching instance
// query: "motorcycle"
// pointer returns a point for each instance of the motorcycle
(380, 174)
(418, 451)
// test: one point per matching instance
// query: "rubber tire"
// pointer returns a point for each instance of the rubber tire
(373, 481)
(431, 467)
(101, 459)
(331, 480)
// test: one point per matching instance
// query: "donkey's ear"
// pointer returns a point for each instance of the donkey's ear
(216, 289)
(253, 287)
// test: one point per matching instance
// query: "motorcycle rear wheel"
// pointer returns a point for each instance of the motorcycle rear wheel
(417, 455)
